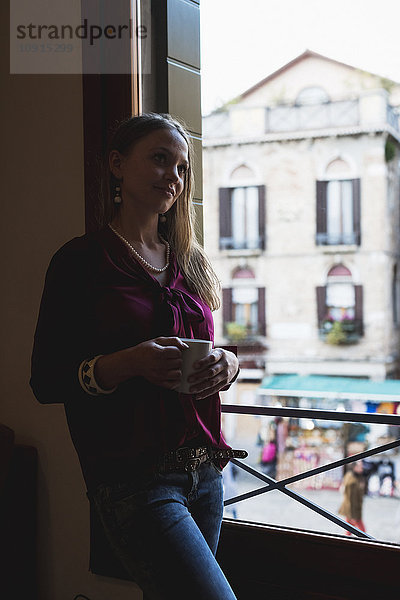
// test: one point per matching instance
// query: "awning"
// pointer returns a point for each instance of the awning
(340, 388)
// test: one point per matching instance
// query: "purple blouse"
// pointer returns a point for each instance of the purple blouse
(98, 299)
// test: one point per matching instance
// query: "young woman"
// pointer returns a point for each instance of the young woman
(115, 306)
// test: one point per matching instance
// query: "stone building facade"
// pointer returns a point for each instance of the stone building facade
(302, 204)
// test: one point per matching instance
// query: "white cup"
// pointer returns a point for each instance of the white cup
(197, 349)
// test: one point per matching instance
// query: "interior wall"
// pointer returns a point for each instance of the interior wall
(43, 207)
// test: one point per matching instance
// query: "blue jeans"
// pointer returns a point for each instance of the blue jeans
(165, 529)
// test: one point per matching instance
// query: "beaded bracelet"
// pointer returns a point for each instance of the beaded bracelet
(87, 379)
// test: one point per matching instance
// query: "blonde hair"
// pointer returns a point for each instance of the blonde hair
(179, 227)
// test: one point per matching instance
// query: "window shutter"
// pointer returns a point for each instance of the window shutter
(358, 309)
(261, 216)
(227, 309)
(356, 211)
(321, 212)
(225, 218)
(321, 303)
(261, 312)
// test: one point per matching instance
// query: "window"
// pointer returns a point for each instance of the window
(340, 306)
(340, 295)
(338, 208)
(242, 217)
(243, 307)
(312, 95)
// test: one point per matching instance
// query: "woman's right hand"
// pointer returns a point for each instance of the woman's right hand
(158, 360)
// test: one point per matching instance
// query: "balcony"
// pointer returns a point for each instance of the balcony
(318, 116)
(370, 111)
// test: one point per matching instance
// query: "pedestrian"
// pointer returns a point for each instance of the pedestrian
(387, 478)
(353, 490)
(108, 345)
(269, 458)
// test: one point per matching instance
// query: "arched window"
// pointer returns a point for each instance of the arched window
(243, 273)
(340, 294)
(245, 300)
(340, 301)
(338, 206)
(244, 305)
(312, 95)
(242, 174)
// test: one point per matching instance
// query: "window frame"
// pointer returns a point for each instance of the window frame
(228, 313)
(322, 237)
(355, 329)
(225, 241)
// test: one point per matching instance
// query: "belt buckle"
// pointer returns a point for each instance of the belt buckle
(192, 464)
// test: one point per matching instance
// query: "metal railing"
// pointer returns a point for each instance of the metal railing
(315, 116)
(327, 415)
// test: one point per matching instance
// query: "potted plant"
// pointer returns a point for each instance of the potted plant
(336, 335)
(236, 332)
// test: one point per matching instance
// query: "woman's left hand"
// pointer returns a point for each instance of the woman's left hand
(213, 373)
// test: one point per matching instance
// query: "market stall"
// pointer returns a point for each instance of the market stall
(307, 443)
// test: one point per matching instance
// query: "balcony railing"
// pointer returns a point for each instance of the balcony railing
(328, 415)
(316, 116)
(370, 110)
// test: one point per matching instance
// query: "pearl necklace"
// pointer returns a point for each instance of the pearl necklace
(144, 262)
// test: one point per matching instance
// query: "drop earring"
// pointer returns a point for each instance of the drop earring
(117, 197)
(162, 218)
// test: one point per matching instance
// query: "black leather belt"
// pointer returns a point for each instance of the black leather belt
(190, 459)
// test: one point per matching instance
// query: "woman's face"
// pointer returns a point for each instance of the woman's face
(153, 173)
